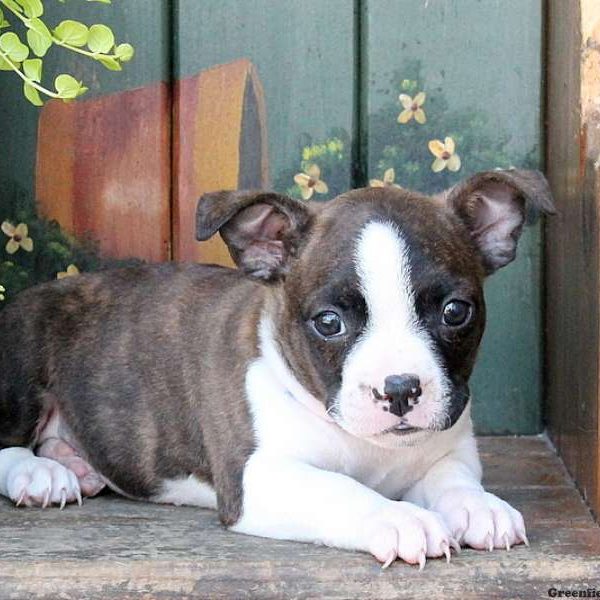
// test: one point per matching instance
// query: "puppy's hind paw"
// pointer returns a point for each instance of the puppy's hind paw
(42, 482)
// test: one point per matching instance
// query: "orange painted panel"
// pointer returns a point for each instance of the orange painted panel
(103, 170)
(216, 113)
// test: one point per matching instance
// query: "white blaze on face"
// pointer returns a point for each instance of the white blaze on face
(393, 342)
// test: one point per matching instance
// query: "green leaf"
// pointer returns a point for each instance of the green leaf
(72, 33)
(32, 8)
(32, 94)
(109, 62)
(4, 66)
(101, 39)
(124, 52)
(38, 42)
(33, 69)
(67, 86)
(12, 4)
(3, 21)
(11, 45)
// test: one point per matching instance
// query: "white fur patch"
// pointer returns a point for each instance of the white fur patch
(393, 343)
(187, 491)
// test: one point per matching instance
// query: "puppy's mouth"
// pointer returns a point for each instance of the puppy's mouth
(400, 429)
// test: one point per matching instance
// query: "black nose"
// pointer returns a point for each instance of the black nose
(404, 391)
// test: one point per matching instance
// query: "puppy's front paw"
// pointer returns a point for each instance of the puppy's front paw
(403, 530)
(39, 481)
(481, 520)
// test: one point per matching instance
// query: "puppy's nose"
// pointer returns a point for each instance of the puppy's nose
(404, 391)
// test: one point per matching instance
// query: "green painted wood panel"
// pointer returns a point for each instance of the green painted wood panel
(480, 66)
(320, 81)
(143, 23)
(303, 53)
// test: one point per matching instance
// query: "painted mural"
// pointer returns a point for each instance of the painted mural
(244, 98)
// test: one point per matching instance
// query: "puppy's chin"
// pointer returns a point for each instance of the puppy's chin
(397, 438)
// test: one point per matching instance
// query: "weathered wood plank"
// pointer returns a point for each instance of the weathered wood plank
(114, 548)
(572, 240)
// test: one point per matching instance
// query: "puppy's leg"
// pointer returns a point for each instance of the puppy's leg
(34, 481)
(476, 518)
(287, 499)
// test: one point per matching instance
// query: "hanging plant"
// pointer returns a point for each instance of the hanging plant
(24, 58)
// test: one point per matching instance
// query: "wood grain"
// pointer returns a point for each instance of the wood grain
(572, 239)
(114, 548)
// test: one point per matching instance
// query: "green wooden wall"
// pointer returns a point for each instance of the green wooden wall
(329, 75)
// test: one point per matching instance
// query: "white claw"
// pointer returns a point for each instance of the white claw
(63, 498)
(46, 499)
(524, 538)
(389, 561)
(446, 551)
(489, 541)
(455, 545)
(422, 560)
(21, 497)
(78, 495)
(507, 542)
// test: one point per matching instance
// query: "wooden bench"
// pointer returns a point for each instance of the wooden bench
(114, 548)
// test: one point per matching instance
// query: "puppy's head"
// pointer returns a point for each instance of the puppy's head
(376, 303)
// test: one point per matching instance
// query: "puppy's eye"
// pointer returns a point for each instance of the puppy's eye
(456, 313)
(329, 324)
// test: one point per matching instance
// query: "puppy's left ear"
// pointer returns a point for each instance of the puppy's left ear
(262, 230)
(494, 205)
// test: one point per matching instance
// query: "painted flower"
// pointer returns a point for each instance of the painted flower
(72, 271)
(412, 108)
(445, 155)
(310, 182)
(2, 290)
(388, 180)
(19, 237)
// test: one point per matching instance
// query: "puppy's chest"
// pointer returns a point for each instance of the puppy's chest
(286, 429)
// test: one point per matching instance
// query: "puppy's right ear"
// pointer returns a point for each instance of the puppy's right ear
(262, 230)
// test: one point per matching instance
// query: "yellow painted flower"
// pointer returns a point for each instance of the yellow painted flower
(19, 237)
(72, 271)
(310, 182)
(445, 155)
(2, 290)
(388, 180)
(412, 108)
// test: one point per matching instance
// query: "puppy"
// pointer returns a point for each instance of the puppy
(318, 393)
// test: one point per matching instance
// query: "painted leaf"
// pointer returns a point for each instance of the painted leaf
(4, 66)
(124, 52)
(12, 4)
(73, 33)
(109, 62)
(3, 21)
(101, 39)
(11, 45)
(32, 94)
(33, 69)
(38, 42)
(32, 8)
(67, 86)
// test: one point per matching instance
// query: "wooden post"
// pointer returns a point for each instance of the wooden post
(572, 239)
